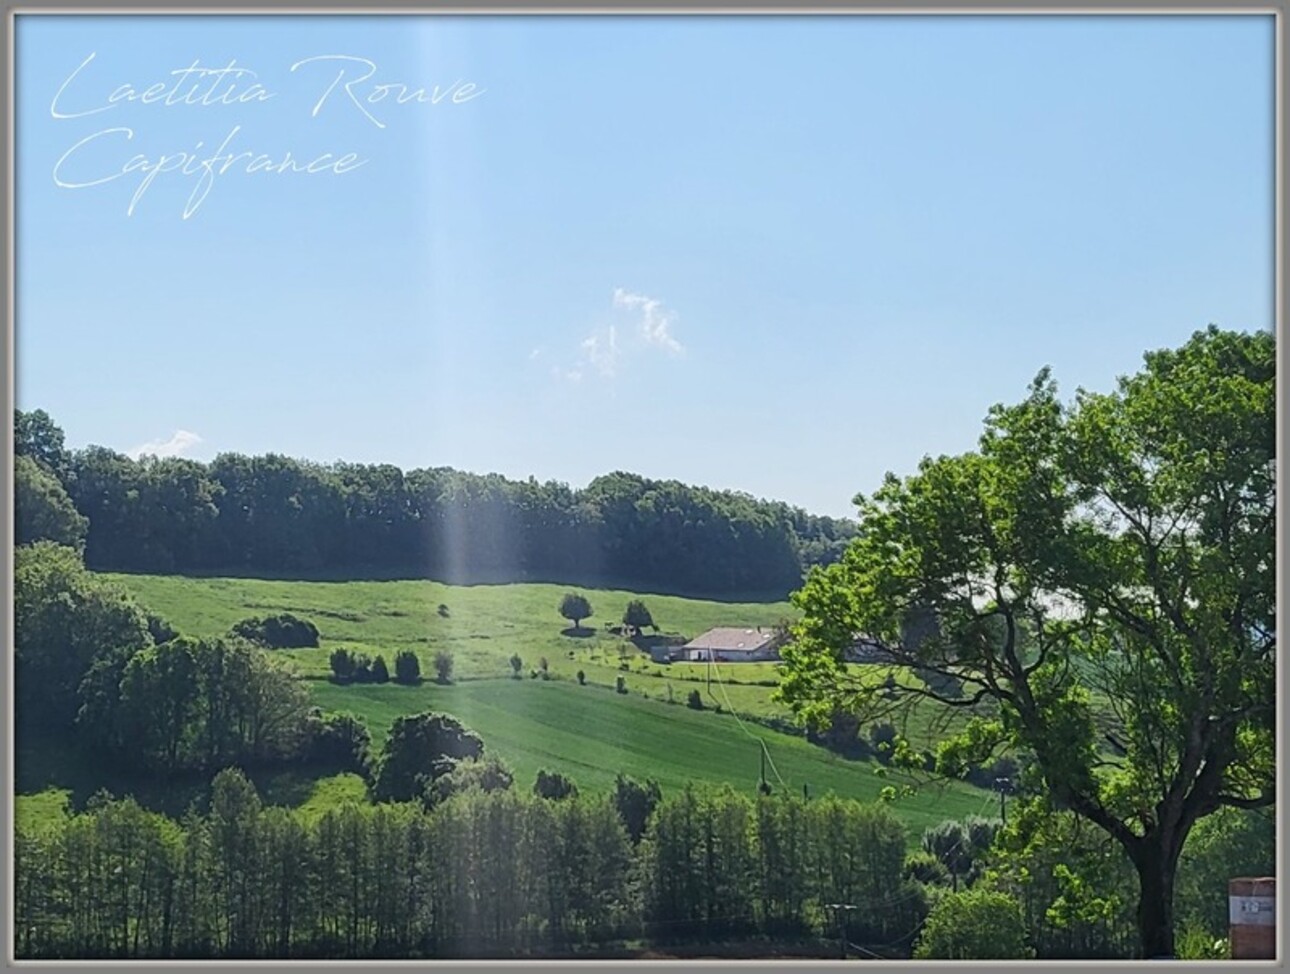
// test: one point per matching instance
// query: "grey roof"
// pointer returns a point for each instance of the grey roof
(729, 639)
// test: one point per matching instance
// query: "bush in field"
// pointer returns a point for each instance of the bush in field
(443, 666)
(380, 672)
(407, 668)
(342, 665)
(283, 631)
(517, 666)
(695, 700)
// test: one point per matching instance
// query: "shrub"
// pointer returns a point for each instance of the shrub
(443, 666)
(974, 925)
(362, 668)
(407, 668)
(621, 685)
(695, 700)
(553, 786)
(517, 666)
(443, 611)
(283, 631)
(380, 672)
(582, 678)
(342, 665)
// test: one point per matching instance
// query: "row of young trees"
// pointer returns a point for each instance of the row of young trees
(483, 873)
(273, 514)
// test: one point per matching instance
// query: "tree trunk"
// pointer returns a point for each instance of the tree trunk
(1156, 868)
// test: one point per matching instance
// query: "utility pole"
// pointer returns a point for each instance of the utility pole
(840, 911)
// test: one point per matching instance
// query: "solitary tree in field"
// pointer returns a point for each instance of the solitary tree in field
(575, 608)
(443, 666)
(637, 616)
(1109, 558)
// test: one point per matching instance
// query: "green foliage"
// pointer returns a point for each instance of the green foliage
(380, 671)
(1076, 885)
(443, 666)
(1196, 943)
(694, 700)
(575, 608)
(974, 925)
(282, 631)
(487, 774)
(407, 668)
(419, 749)
(67, 624)
(517, 665)
(637, 616)
(42, 509)
(620, 684)
(342, 665)
(37, 439)
(553, 786)
(274, 514)
(1230, 843)
(1112, 553)
(193, 703)
(339, 741)
(635, 803)
(582, 678)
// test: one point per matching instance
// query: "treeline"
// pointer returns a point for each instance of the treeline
(272, 514)
(481, 874)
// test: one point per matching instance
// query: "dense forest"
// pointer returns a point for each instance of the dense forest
(275, 515)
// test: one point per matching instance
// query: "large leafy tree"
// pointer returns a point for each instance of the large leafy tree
(1096, 573)
(67, 621)
(42, 509)
(421, 748)
(575, 608)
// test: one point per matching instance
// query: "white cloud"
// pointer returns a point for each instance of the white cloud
(642, 323)
(602, 351)
(655, 323)
(181, 441)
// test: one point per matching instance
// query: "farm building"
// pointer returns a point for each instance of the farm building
(731, 645)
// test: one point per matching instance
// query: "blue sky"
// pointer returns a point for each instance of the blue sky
(780, 255)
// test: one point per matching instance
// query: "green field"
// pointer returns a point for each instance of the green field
(590, 733)
(486, 625)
